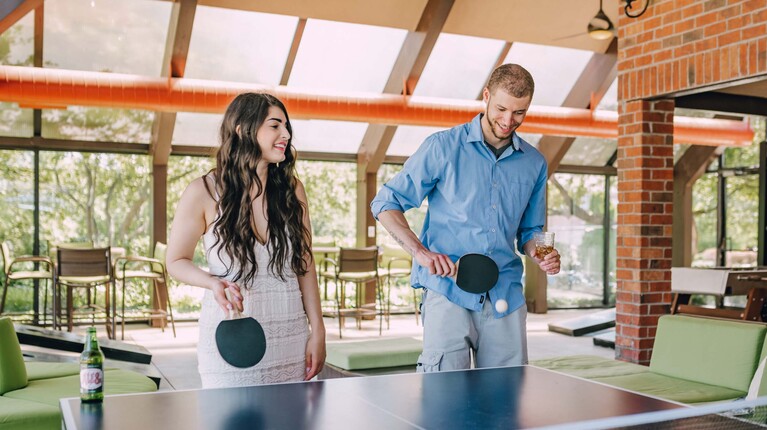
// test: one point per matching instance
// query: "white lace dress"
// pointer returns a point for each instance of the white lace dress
(274, 303)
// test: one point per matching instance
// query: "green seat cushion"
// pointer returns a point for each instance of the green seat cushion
(49, 391)
(42, 370)
(709, 351)
(589, 366)
(13, 373)
(22, 415)
(670, 388)
(373, 354)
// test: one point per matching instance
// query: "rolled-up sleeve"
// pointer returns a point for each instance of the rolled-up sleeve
(534, 216)
(408, 188)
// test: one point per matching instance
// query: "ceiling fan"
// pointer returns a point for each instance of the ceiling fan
(600, 27)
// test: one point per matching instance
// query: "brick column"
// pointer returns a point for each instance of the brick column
(645, 203)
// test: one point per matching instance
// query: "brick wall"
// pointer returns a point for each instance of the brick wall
(686, 44)
(645, 200)
(677, 45)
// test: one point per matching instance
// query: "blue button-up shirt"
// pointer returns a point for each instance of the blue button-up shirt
(477, 204)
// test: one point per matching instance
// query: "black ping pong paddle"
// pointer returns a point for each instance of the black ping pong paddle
(477, 273)
(240, 341)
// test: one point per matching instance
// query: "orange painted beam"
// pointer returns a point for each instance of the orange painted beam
(45, 87)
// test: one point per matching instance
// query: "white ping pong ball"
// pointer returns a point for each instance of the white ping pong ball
(501, 306)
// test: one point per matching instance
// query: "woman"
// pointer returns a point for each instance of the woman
(252, 215)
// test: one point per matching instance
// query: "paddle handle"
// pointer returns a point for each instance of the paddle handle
(232, 308)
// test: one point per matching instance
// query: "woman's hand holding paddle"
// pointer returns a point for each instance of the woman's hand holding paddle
(219, 287)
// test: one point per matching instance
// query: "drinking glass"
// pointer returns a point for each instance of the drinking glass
(544, 244)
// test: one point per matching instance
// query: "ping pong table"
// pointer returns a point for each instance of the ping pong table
(504, 398)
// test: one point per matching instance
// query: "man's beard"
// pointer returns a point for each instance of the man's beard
(493, 127)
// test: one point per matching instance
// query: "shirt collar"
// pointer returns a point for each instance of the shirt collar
(475, 134)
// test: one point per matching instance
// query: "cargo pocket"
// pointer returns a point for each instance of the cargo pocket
(429, 361)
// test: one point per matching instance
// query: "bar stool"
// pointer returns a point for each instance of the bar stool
(41, 270)
(83, 269)
(140, 269)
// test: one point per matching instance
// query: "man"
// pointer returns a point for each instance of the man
(486, 188)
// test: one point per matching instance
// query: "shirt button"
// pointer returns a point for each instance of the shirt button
(493, 230)
(493, 207)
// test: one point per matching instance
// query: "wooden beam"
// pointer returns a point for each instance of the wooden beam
(297, 36)
(762, 234)
(591, 85)
(406, 72)
(47, 144)
(209, 151)
(690, 167)
(587, 170)
(37, 58)
(724, 102)
(173, 65)
(498, 62)
(159, 205)
(11, 11)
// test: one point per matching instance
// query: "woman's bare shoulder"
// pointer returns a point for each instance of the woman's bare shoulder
(200, 187)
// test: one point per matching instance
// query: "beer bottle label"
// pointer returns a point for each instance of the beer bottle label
(91, 378)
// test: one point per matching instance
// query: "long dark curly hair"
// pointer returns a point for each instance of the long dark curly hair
(235, 176)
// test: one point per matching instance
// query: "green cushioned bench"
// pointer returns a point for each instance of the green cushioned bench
(371, 357)
(30, 391)
(694, 360)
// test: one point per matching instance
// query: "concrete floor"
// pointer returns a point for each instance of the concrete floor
(176, 358)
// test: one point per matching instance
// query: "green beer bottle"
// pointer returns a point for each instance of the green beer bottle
(91, 370)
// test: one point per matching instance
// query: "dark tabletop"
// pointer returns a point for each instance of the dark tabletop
(503, 398)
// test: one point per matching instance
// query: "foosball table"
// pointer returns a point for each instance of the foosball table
(721, 282)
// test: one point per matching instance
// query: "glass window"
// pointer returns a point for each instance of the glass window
(589, 151)
(337, 56)
(458, 66)
(17, 43)
(18, 199)
(332, 192)
(17, 223)
(100, 198)
(704, 198)
(106, 35)
(328, 136)
(241, 46)
(747, 156)
(14, 121)
(576, 215)
(610, 99)
(98, 124)
(546, 64)
(742, 226)
(407, 139)
(197, 129)
(17, 49)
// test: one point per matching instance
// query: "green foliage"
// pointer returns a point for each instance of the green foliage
(742, 199)
(332, 193)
